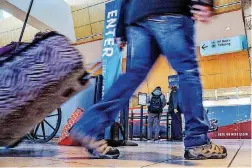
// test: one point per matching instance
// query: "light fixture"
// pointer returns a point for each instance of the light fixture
(6, 14)
(228, 28)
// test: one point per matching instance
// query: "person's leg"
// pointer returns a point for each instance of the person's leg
(176, 126)
(175, 36)
(173, 126)
(157, 126)
(144, 52)
(178, 46)
(183, 124)
(150, 126)
(180, 135)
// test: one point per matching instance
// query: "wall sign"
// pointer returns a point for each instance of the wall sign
(173, 80)
(111, 55)
(221, 46)
(142, 99)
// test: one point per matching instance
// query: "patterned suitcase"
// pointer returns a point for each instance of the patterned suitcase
(34, 81)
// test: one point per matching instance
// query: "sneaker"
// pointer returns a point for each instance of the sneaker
(98, 149)
(108, 153)
(156, 140)
(149, 140)
(210, 151)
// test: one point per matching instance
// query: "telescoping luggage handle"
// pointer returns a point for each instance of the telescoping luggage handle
(24, 25)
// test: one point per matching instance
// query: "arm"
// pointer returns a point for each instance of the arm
(169, 100)
(203, 11)
(163, 100)
(175, 100)
(148, 100)
(120, 35)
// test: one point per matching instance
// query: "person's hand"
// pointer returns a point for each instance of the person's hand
(120, 42)
(202, 13)
(175, 110)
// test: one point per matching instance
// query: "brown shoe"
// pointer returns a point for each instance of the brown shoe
(210, 151)
(99, 148)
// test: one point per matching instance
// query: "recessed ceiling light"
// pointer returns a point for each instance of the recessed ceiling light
(228, 28)
(76, 2)
(5, 14)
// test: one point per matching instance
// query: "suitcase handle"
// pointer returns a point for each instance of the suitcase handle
(24, 25)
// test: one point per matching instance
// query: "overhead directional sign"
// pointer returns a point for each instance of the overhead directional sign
(221, 46)
(173, 80)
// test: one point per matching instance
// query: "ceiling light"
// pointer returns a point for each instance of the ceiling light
(228, 28)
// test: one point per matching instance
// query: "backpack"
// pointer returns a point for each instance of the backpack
(156, 104)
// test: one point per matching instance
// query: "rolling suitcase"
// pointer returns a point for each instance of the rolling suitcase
(34, 81)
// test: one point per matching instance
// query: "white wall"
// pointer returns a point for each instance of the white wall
(92, 51)
(217, 27)
(56, 14)
(214, 30)
(227, 102)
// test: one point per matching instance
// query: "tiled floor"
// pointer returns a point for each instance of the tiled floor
(164, 154)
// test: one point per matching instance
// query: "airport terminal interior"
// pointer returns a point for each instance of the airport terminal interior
(223, 48)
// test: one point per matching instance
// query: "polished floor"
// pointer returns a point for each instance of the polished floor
(163, 154)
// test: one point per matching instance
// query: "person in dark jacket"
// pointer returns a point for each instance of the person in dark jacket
(151, 28)
(156, 103)
(175, 110)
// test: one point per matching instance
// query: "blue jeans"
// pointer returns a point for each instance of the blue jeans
(153, 123)
(172, 36)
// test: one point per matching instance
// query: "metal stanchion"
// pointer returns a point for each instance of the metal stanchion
(146, 127)
(126, 123)
(132, 125)
(167, 127)
(141, 124)
(142, 101)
